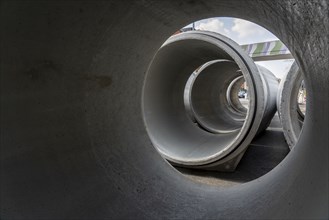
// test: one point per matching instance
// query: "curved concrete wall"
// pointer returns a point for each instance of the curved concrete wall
(291, 116)
(218, 140)
(73, 142)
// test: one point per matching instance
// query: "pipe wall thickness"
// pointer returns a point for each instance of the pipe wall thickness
(73, 144)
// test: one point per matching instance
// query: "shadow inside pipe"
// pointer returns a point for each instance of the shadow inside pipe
(265, 152)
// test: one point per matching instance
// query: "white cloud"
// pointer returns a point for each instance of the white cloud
(241, 31)
(248, 32)
(246, 29)
(212, 24)
(245, 32)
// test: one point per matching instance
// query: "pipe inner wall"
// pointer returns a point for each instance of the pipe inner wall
(73, 143)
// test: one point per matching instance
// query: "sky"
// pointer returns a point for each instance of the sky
(245, 32)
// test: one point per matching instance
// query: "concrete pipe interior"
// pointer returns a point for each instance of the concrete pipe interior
(210, 106)
(166, 119)
(232, 101)
(73, 141)
(239, 103)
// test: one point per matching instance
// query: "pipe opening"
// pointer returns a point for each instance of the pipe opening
(205, 99)
(211, 97)
(237, 96)
(169, 127)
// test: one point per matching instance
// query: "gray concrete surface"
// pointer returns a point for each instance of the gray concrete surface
(73, 144)
(220, 137)
(292, 117)
(264, 153)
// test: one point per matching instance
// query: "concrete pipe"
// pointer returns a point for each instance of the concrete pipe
(169, 79)
(291, 116)
(168, 82)
(73, 144)
(213, 100)
(236, 110)
(211, 97)
(233, 98)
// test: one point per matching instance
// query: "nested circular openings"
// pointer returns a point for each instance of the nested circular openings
(290, 115)
(233, 97)
(208, 97)
(169, 126)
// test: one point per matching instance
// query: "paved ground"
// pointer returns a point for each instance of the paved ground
(264, 153)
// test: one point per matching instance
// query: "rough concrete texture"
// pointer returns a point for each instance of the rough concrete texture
(73, 142)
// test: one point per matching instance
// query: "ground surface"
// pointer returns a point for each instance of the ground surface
(265, 152)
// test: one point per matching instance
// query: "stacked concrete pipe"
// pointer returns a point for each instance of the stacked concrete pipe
(234, 103)
(291, 117)
(174, 92)
(73, 144)
(232, 86)
(211, 97)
